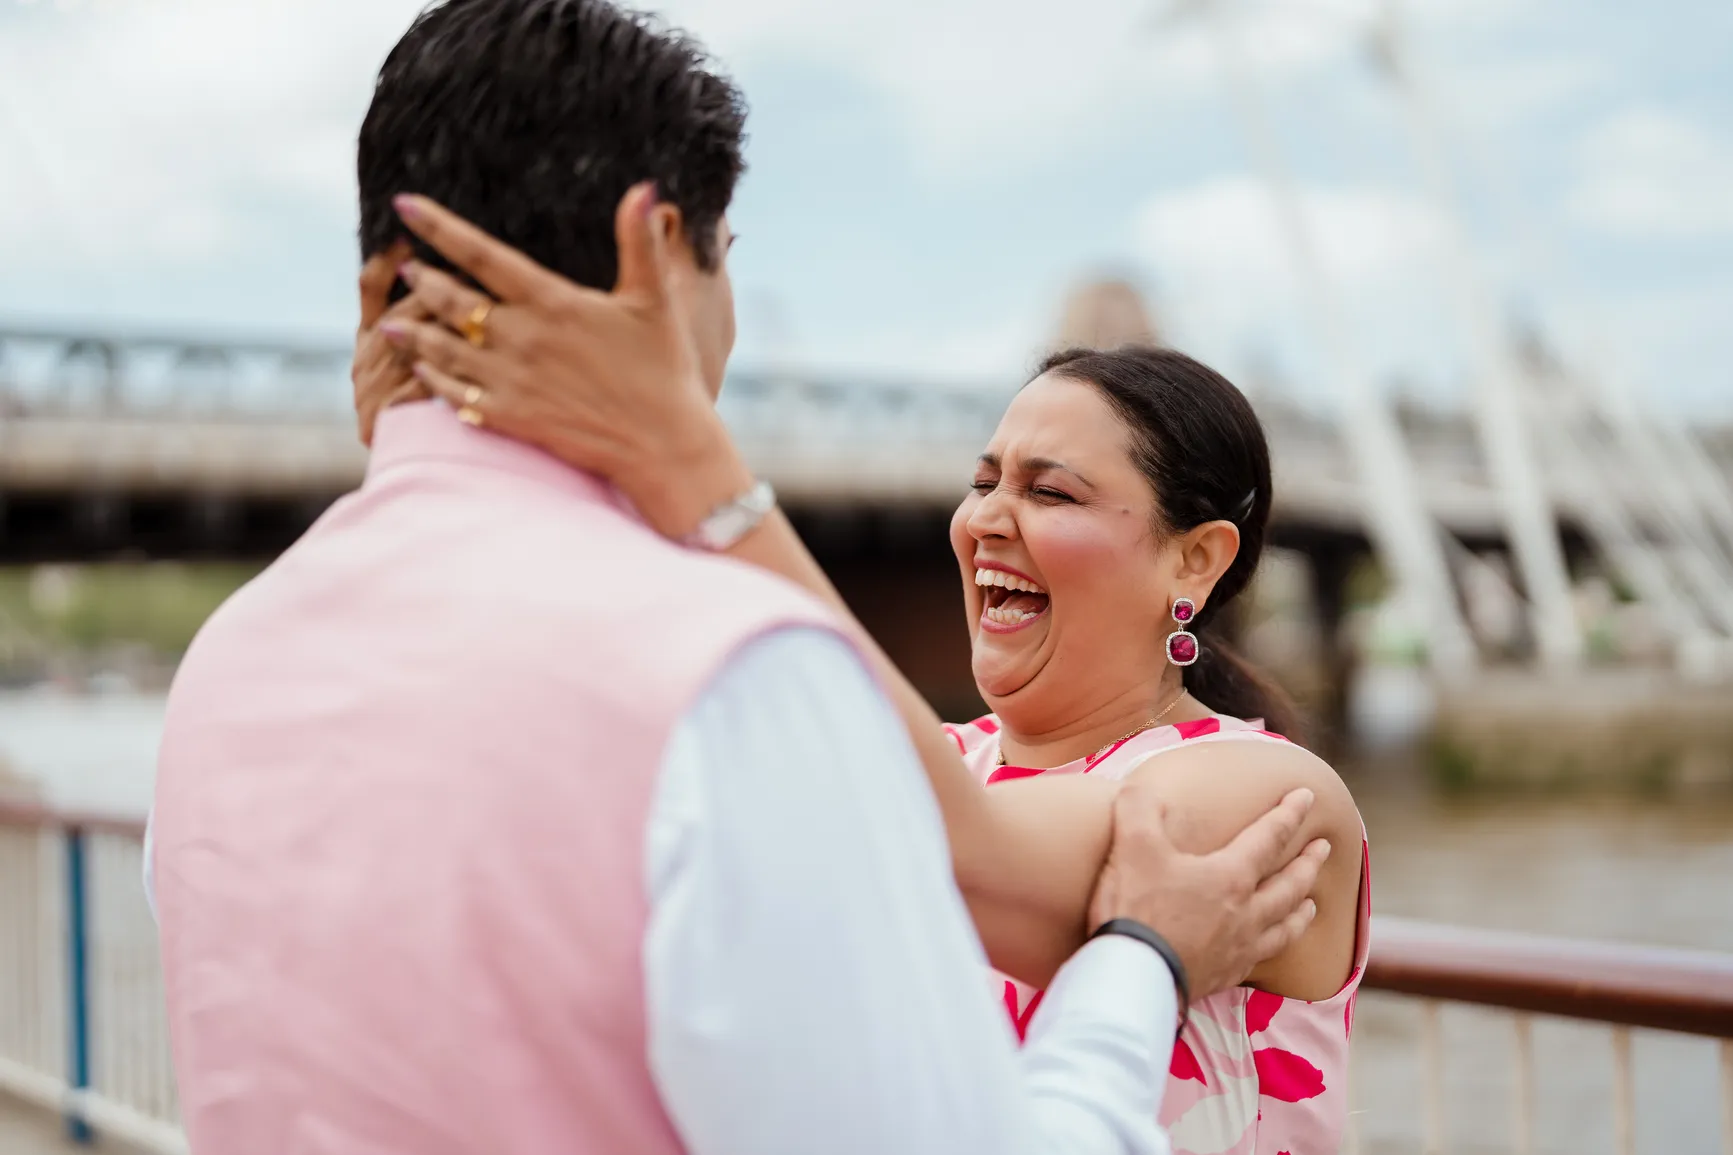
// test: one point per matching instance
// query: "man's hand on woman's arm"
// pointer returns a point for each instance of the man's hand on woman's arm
(1223, 912)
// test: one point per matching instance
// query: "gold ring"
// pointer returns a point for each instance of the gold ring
(475, 325)
(470, 416)
(472, 397)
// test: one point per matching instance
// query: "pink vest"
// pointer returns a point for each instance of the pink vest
(400, 811)
(1253, 1073)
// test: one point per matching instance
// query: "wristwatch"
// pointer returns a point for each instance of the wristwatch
(732, 520)
(1150, 937)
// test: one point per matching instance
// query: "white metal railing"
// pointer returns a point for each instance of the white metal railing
(1625, 991)
(82, 1027)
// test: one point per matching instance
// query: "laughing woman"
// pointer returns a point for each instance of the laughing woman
(1119, 507)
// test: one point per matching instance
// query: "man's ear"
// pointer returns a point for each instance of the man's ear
(378, 276)
(667, 220)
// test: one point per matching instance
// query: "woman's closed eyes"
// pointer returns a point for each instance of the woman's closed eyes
(1043, 492)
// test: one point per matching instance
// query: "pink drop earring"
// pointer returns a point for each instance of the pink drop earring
(1182, 647)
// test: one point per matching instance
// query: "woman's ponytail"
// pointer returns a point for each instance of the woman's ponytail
(1228, 684)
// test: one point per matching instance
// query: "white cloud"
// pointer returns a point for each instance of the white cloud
(989, 83)
(969, 81)
(990, 354)
(152, 131)
(211, 141)
(203, 107)
(1229, 287)
(1650, 174)
(1227, 227)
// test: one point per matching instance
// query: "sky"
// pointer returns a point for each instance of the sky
(929, 178)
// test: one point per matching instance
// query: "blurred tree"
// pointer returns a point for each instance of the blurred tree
(154, 604)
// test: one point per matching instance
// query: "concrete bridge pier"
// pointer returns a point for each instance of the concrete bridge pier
(1332, 559)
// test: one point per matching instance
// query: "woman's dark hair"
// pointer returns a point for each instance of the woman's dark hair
(533, 117)
(1197, 440)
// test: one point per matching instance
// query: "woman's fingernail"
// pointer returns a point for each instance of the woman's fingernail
(421, 371)
(649, 201)
(394, 331)
(407, 207)
(406, 272)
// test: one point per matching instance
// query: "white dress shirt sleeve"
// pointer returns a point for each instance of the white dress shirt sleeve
(813, 980)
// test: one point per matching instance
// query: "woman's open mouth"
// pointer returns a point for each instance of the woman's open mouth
(1009, 602)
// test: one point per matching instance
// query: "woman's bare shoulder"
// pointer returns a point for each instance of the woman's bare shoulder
(1213, 790)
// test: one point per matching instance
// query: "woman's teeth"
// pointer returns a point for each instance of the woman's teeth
(1009, 581)
(1016, 600)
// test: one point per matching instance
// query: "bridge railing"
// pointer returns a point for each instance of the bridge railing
(50, 373)
(82, 1024)
(1623, 987)
(83, 1031)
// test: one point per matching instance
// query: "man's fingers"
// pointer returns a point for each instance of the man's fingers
(1263, 846)
(1278, 938)
(1287, 888)
(638, 236)
(378, 274)
(443, 296)
(507, 273)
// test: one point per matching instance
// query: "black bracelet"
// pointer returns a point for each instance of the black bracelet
(1131, 928)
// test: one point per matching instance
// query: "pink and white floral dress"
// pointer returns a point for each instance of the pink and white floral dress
(1253, 1073)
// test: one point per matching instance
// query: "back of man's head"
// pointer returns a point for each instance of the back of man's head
(533, 117)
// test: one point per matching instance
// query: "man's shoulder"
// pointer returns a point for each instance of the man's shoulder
(742, 596)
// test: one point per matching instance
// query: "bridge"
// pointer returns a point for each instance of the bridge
(169, 447)
(115, 431)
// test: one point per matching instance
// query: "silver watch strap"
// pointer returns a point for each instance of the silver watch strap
(733, 520)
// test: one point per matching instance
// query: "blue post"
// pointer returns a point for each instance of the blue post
(77, 981)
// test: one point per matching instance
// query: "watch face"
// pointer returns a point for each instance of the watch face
(725, 528)
(735, 520)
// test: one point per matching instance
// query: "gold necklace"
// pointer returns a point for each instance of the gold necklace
(1149, 725)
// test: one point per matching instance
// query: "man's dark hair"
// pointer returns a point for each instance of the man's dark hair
(532, 118)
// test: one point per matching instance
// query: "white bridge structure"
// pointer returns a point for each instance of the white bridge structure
(156, 445)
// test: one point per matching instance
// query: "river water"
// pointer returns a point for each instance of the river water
(1642, 871)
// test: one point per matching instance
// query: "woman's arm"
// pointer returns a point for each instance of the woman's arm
(608, 382)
